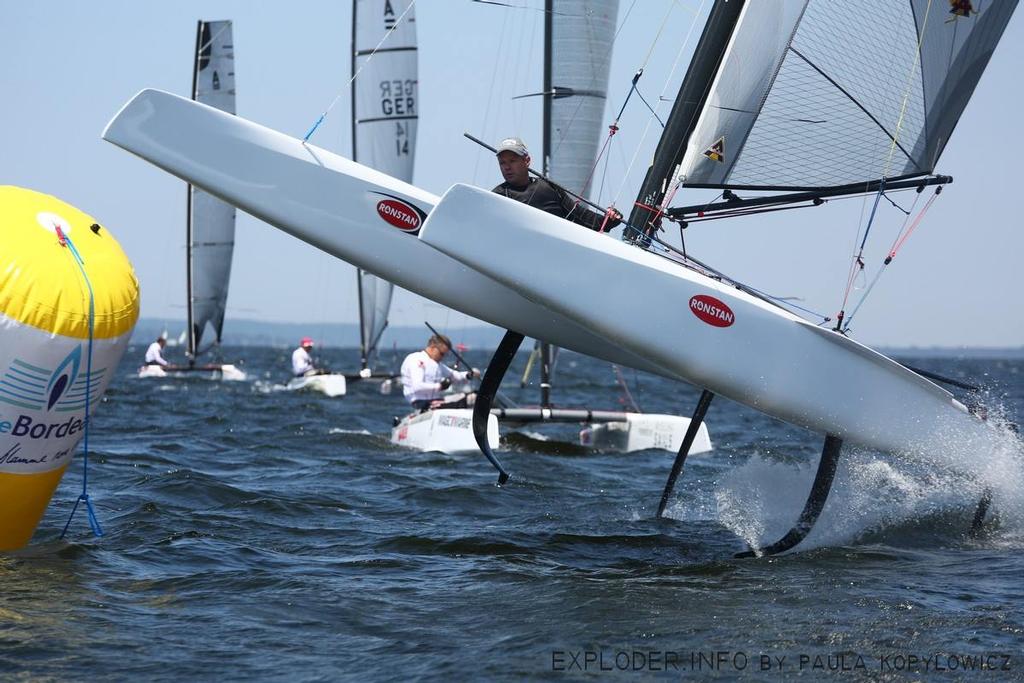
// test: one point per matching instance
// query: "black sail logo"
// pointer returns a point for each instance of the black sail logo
(63, 377)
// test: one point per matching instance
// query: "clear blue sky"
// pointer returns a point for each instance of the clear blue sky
(68, 66)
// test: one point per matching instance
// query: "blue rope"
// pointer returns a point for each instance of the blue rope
(316, 125)
(871, 218)
(94, 522)
(860, 255)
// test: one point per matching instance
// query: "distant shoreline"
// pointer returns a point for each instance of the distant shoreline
(242, 332)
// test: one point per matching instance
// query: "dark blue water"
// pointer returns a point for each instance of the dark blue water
(253, 533)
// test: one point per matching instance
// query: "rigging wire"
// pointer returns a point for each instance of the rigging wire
(664, 249)
(348, 85)
(901, 237)
(857, 264)
(661, 96)
(491, 95)
(627, 395)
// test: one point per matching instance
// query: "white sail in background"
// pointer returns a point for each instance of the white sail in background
(578, 37)
(211, 222)
(820, 93)
(579, 49)
(384, 114)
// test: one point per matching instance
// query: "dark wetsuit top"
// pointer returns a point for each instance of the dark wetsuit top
(540, 194)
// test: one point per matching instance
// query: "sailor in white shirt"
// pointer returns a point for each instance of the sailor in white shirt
(424, 376)
(302, 362)
(153, 355)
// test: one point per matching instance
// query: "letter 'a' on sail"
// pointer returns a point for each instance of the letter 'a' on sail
(44, 344)
(211, 222)
(822, 94)
(384, 116)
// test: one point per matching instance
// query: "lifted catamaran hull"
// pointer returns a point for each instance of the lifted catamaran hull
(362, 216)
(714, 335)
(504, 262)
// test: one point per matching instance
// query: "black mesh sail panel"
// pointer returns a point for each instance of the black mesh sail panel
(822, 93)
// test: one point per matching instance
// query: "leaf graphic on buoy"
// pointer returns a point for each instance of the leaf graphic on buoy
(63, 377)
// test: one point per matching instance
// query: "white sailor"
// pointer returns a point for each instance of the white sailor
(424, 376)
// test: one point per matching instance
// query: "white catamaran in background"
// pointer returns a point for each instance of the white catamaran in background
(767, 76)
(385, 111)
(210, 227)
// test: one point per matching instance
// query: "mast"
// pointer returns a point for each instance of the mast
(683, 118)
(352, 81)
(364, 352)
(547, 89)
(210, 223)
(192, 350)
(384, 121)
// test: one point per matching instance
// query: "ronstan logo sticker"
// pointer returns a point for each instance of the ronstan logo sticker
(399, 214)
(711, 310)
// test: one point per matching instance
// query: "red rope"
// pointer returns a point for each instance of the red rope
(612, 130)
(900, 239)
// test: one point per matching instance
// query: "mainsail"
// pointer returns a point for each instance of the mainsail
(578, 37)
(384, 114)
(819, 93)
(211, 222)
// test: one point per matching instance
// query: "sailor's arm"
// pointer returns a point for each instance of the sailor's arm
(455, 375)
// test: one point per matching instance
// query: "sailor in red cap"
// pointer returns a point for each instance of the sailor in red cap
(302, 362)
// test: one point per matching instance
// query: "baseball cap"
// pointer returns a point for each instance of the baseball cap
(306, 341)
(514, 145)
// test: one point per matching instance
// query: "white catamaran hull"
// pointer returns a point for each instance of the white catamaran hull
(505, 263)
(362, 216)
(643, 431)
(446, 430)
(714, 335)
(227, 372)
(330, 385)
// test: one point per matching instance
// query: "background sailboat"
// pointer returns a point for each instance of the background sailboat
(384, 115)
(385, 88)
(210, 227)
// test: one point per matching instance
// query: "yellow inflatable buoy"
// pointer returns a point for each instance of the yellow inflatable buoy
(45, 344)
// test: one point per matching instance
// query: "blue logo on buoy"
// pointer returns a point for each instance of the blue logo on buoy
(27, 385)
(64, 376)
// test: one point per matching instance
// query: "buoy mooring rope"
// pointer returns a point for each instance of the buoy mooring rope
(60, 345)
(94, 522)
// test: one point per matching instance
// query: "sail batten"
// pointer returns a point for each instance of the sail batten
(820, 94)
(211, 223)
(384, 124)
